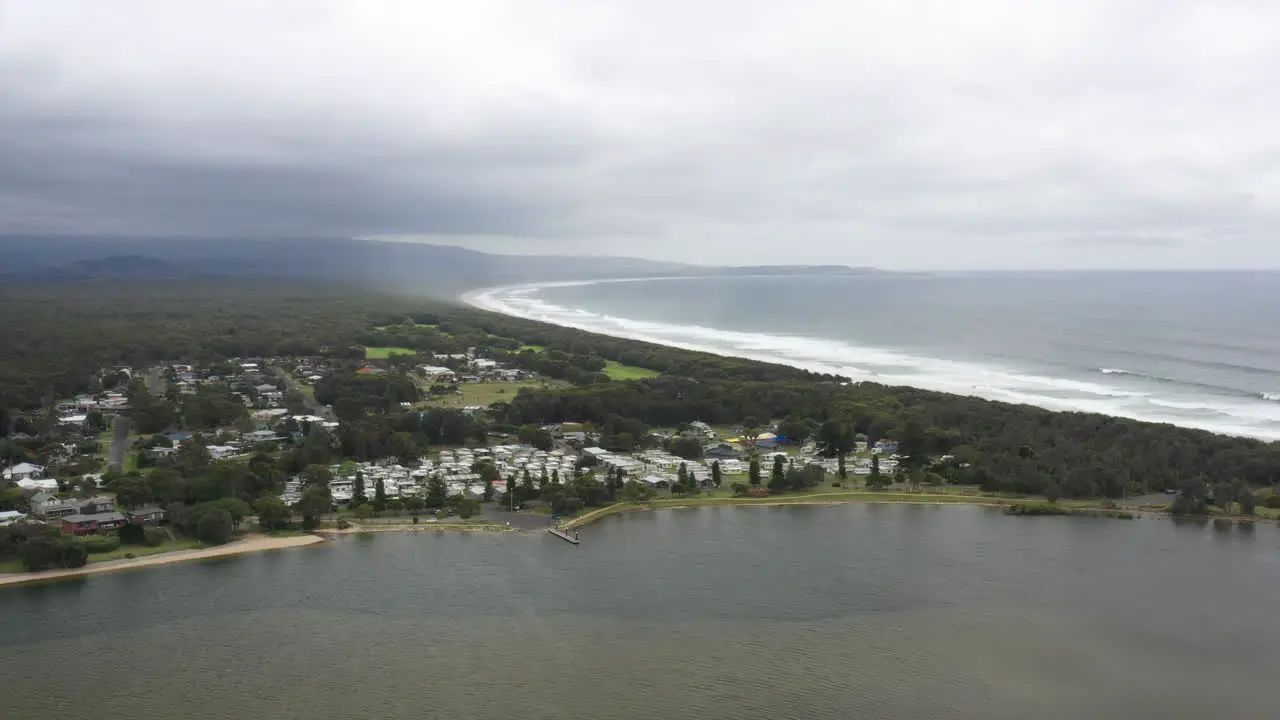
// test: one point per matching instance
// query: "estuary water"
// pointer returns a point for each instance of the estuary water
(1197, 349)
(855, 611)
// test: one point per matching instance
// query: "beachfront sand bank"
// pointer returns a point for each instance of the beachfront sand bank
(421, 527)
(252, 543)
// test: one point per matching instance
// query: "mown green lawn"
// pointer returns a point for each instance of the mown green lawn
(382, 353)
(486, 394)
(617, 371)
(142, 550)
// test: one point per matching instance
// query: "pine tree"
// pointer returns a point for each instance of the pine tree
(875, 480)
(716, 476)
(437, 492)
(694, 486)
(843, 471)
(379, 491)
(778, 478)
(542, 478)
(357, 491)
(682, 477)
(753, 472)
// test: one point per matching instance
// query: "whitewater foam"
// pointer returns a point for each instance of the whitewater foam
(891, 367)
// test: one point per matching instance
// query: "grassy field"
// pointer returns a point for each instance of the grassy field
(617, 371)
(143, 551)
(382, 353)
(485, 394)
(614, 369)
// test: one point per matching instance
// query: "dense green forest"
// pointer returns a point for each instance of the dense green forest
(56, 337)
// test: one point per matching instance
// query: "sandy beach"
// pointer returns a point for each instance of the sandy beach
(422, 527)
(251, 543)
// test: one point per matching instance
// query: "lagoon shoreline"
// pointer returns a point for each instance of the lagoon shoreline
(250, 544)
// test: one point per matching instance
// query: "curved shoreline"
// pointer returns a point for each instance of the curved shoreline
(487, 300)
(407, 527)
(250, 544)
(932, 499)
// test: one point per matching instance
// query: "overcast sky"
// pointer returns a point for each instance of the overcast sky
(894, 133)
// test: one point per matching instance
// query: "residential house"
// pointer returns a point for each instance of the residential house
(656, 481)
(886, 447)
(260, 436)
(703, 428)
(9, 517)
(92, 524)
(50, 484)
(149, 515)
(23, 471)
(160, 451)
(47, 504)
(721, 451)
(219, 452)
(436, 373)
(95, 515)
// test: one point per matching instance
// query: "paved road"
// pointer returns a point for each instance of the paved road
(119, 443)
(313, 405)
(155, 381)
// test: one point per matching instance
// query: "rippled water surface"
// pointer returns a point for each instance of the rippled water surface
(859, 611)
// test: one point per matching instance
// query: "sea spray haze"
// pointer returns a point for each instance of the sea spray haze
(1195, 349)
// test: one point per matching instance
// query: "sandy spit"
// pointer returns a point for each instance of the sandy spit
(423, 527)
(252, 543)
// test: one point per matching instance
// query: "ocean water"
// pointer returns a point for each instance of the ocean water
(1197, 349)
(786, 613)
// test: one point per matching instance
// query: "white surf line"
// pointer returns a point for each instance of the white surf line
(489, 299)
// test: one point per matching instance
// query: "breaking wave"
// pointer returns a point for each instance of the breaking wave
(1123, 393)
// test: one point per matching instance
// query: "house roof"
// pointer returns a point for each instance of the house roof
(96, 517)
(148, 510)
(25, 468)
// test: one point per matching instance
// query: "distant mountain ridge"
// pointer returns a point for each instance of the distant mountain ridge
(433, 269)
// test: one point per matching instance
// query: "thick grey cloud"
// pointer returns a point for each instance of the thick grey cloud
(933, 134)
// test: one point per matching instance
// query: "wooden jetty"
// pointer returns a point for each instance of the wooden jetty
(564, 535)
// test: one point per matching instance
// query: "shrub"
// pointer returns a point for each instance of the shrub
(1272, 501)
(132, 534)
(72, 554)
(37, 554)
(214, 527)
(154, 536)
(43, 553)
(343, 524)
(129, 556)
(100, 543)
(469, 507)
(1034, 508)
